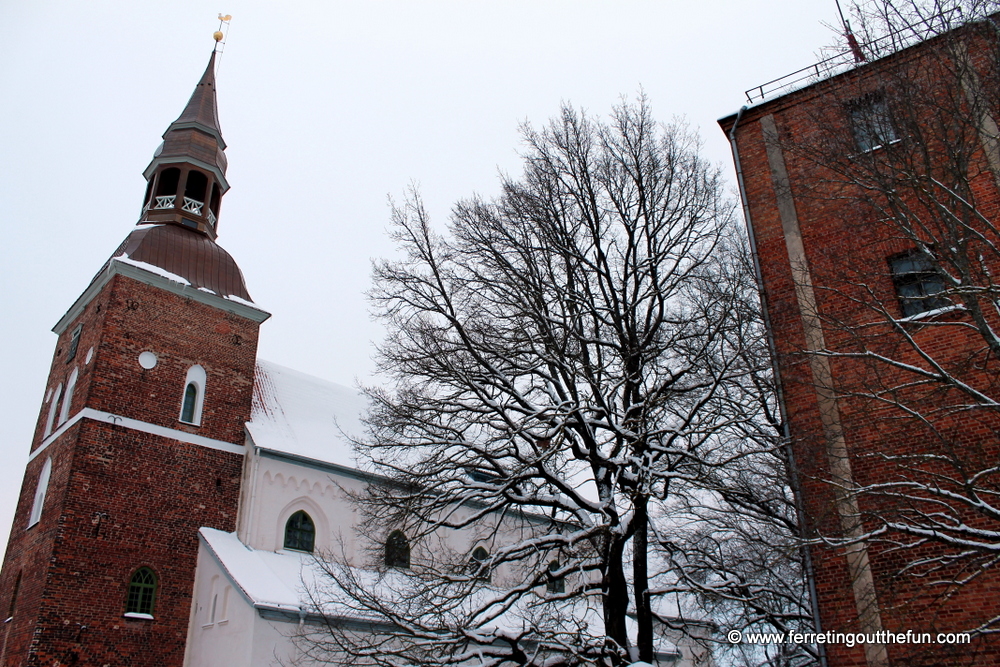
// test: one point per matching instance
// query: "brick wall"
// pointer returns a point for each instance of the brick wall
(119, 498)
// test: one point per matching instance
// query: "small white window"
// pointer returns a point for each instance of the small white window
(53, 411)
(43, 486)
(194, 395)
(68, 398)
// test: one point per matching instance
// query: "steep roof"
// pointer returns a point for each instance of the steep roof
(303, 415)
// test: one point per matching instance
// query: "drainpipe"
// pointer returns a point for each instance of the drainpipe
(793, 472)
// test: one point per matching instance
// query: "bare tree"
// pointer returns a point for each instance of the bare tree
(570, 364)
(911, 160)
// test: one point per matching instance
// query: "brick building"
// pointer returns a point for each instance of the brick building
(870, 186)
(177, 486)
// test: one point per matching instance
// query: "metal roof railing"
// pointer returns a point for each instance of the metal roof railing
(843, 61)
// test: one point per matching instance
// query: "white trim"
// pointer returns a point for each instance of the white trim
(67, 400)
(195, 377)
(136, 425)
(40, 489)
(253, 313)
(135, 614)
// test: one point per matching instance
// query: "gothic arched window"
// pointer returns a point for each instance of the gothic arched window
(397, 550)
(194, 395)
(300, 532)
(555, 584)
(40, 489)
(141, 592)
(478, 564)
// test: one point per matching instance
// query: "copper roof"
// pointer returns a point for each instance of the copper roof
(188, 254)
(196, 134)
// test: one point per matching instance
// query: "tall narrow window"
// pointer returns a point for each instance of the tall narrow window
(300, 532)
(53, 411)
(74, 343)
(141, 594)
(40, 490)
(918, 284)
(68, 398)
(479, 563)
(397, 550)
(13, 597)
(194, 396)
(553, 583)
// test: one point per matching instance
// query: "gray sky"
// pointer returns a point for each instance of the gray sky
(327, 108)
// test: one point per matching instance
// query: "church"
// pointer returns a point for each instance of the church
(177, 486)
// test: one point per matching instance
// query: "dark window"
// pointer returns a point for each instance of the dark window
(190, 400)
(479, 563)
(216, 198)
(141, 592)
(300, 532)
(555, 584)
(871, 122)
(397, 550)
(918, 284)
(74, 342)
(197, 184)
(13, 597)
(166, 182)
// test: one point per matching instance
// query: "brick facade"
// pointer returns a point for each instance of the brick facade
(119, 498)
(824, 252)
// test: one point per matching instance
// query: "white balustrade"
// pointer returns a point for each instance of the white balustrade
(192, 206)
(165, 202)
(211, 218)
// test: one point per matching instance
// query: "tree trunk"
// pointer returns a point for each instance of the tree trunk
(640, 574)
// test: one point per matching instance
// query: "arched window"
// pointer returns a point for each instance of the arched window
(555, 584)
(300, 532)
(68, 398)
(194, 396)
(166, 183)
(40, 489)
(397, 550)
(141, 593)
(197, 184)
(53, 411)
(478, 564)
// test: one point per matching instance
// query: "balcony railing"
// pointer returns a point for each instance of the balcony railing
(165, 202)
(211, 218)
(192, 206)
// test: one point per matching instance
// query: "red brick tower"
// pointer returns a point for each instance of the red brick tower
(871, 195)
(140, 437)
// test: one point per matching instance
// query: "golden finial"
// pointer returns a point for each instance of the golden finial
(220, 36)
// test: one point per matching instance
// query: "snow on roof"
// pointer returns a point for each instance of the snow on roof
(303, 415)
(268, 578)
(152, 268)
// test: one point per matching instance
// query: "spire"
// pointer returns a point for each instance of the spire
(201, 111)
(187, 176)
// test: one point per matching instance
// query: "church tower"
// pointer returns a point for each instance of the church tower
(140, 437)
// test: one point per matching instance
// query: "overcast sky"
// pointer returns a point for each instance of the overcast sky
(328, 108)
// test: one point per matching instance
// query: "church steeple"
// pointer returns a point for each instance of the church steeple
(187, 176)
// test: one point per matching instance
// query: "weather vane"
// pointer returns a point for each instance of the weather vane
(220, 38)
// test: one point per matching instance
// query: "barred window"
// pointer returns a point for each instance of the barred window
(300, 532)
(141, 592)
